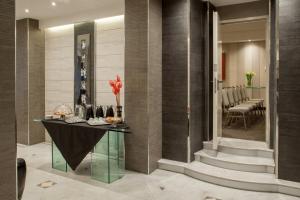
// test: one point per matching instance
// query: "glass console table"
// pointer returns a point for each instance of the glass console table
(71, 143)
(107, 158)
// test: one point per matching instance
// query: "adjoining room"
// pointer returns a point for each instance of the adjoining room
(244, 79)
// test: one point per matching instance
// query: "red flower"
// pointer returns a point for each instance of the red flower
(119, 85)
(111, 83)
(118, 78)
(116, 85)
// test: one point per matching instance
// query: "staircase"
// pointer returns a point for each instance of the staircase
(239, 155)
(241, 164)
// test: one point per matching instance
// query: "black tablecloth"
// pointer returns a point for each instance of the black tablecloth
(74, 141)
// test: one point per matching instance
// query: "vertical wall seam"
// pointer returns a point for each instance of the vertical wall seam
(148, 65)
(28, 82)
(189, 80)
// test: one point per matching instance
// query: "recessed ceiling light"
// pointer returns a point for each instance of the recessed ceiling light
(53, 3)
(27, 10)
(249, 40)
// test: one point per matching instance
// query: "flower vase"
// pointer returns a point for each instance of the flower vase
(119, 111)
(249, 82)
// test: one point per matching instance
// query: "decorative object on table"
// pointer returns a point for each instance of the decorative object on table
(80, 111)
(113, 120)
(74, 119)
(62, 111)
(97, 121)
(119, 111)
(249, 76)
(116, 89)
(99, 111)
(110, 112)
(89, 111)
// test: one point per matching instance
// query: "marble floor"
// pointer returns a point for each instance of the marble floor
(44, 183)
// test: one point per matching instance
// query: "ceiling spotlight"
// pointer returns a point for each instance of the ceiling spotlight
(249, 40)
(53, 4)
(27, 10)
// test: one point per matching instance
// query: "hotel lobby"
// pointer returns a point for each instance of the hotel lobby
(149, 99)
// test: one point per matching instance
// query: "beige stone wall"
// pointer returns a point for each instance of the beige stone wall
(59, 68)
(110, 40)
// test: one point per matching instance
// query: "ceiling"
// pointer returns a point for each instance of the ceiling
(43, 10)
(229, 2)
(243, 31)
(72, 11)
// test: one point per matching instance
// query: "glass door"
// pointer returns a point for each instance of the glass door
(217, 83)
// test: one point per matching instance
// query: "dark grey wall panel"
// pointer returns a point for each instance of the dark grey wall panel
(30, 82)
(197, 86)
(273, 73)
(289, 90)
(81, 29)
(7, 101)
(143, 84)
(136, 62)
(22, 80)
(36, 82)
(175, 79)
(155, 83)
(245, 10)
(208, 71)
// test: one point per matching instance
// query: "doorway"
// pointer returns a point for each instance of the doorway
(240, 79)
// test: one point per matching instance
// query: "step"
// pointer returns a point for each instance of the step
(237, 162)
(262, 182)
(241, 147)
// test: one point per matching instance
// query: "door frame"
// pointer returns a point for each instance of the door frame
(270, 133)
(217, 87)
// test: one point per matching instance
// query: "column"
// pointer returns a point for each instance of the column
(7, 101)
(143, 88)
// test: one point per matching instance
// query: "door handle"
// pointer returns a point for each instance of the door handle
(219, 82)
(216, 87)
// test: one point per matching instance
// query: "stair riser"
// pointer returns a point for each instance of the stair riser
(241, 152)
(231, 183)
(172, 168)
(258, 187)
(235, 166)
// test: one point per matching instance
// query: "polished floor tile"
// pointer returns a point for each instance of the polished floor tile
(160, 185)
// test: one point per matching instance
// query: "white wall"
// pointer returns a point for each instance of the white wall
(242, 57)
(110, 43)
